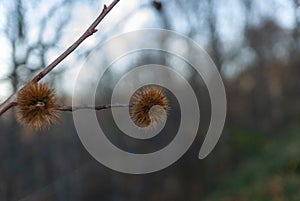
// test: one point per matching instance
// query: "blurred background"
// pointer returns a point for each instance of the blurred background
(255, 45)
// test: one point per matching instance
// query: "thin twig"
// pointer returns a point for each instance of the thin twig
(11, 101)
(88, 107)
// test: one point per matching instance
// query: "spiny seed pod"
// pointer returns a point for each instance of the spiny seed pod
(148, 107)
(37, 106)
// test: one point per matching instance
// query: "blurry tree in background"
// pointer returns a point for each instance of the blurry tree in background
(256, 48)
(29, 45)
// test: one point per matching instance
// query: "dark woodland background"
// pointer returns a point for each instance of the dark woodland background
(257, 157)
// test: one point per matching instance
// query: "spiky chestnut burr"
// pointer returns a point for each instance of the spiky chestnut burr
(148, 107)
(37, 106)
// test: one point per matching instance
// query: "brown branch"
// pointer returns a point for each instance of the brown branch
(88, 107)
(11, 101)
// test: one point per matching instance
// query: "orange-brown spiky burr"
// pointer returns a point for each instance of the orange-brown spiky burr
(148, 107)
(37, 106)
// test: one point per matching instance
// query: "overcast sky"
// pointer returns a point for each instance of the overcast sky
(84, 14)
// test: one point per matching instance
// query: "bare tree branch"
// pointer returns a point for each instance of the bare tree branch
(89, 107)
(11, 101)
(90, 31)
